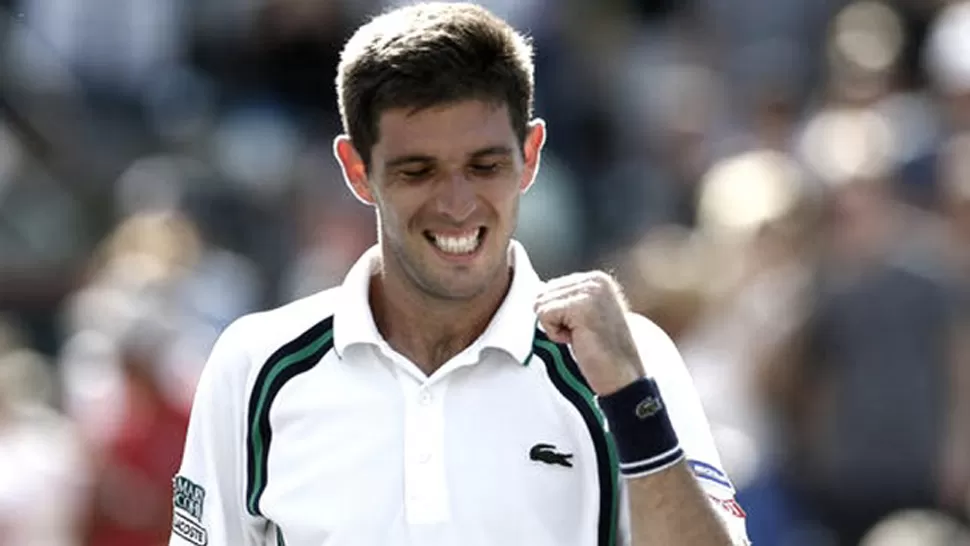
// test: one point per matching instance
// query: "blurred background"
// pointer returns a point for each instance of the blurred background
(783, 185)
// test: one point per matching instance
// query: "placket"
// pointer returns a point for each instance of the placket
(425, 480)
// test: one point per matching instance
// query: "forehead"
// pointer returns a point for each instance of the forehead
(444, 132)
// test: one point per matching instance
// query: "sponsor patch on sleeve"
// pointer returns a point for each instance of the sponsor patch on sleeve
(188, 499)
(189, 530)
(711, 474)
(730, 506)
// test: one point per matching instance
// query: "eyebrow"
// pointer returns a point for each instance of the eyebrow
(492, 150)
(421, 158)
(405, 159)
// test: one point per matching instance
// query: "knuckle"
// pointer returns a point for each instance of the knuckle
(598, 283)
(600, 278)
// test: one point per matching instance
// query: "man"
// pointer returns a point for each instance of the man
(443, 394)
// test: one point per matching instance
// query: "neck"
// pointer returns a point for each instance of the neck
(428, 330)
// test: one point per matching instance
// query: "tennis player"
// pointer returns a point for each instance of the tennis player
(443, 394)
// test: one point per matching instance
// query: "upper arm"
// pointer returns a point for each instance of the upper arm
(210, 486)
(663, 362)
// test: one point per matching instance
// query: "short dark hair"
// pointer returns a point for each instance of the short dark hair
(429, 54)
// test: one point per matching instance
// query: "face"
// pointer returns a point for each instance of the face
(446, 183)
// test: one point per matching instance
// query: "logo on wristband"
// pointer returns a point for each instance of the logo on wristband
(649, 407)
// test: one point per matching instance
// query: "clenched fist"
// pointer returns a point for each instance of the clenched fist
(586, 310)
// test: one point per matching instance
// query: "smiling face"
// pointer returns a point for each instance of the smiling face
(446, 183)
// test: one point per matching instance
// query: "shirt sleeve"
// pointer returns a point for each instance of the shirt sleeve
(209, 489)
(663, 362)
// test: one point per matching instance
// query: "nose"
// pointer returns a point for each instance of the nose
(456, 198)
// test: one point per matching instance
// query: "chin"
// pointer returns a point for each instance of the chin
(458, 294)
(456, 283)
(455, 274)
(460, 282)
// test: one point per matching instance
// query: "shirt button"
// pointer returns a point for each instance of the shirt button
(425, 398)
(424, 458)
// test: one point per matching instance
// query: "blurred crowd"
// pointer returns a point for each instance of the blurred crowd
(783, 185)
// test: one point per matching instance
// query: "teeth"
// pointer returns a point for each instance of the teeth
(463, 244)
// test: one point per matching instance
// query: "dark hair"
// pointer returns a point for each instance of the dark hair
(429, 54)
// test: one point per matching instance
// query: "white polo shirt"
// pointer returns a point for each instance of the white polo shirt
(308, 429)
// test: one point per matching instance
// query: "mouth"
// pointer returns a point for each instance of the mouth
(457, 244)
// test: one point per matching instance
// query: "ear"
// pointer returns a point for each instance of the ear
(354, 170)
(535, 139)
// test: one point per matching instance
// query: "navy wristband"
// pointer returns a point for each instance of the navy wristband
(645, 439)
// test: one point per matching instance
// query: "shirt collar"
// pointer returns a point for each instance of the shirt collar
(510, 330)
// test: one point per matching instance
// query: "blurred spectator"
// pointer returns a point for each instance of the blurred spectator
(947, 63)
(871, 398)
(654, 180)
(115, 50)
(156, 259)
(43, 469)
(948, 67)
(664, 277)
(759, 214)
(134, 464)
(917, 528)
(555, 237)
(955, 179)
(332, 233)
(955, 173)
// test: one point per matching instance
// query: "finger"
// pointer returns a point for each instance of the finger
(552, 318)
(558, 334)
(595, 282)
(565, 280)
(560, 316)
(598, 278)
(584, 288)
(553, 322)
(566, 308)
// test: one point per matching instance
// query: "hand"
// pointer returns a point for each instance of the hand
(586, 310)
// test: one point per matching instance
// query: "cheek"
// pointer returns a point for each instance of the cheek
(388, 221)
(506, 202)
(401, 221)
(503, 194)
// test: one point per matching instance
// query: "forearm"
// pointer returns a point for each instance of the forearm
(669, 508)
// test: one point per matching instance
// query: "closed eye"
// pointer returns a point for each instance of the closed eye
(416, 174)
(485, 169)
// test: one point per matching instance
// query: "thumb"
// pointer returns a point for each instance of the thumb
(554, 318)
